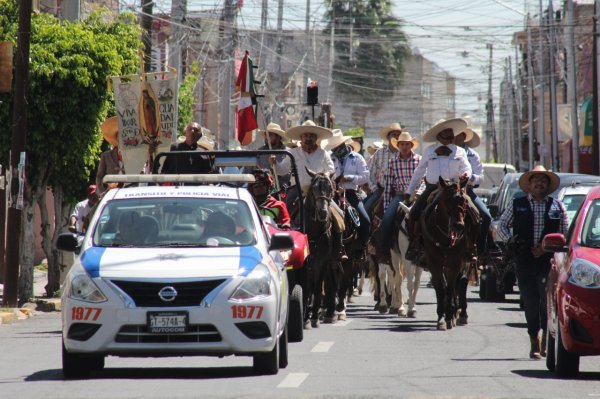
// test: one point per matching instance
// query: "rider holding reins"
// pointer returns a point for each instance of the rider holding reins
(443, 159)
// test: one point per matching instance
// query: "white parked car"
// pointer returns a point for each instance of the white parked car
(175, 271)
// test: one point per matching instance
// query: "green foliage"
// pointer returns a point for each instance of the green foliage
(355, 132)
(68, 95)
(186, 98)
(375, 66)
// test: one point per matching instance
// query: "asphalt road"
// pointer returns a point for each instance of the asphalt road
(369, 355)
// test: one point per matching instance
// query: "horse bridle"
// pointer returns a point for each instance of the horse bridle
(433, 209)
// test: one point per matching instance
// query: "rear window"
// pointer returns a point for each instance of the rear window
(174, 222)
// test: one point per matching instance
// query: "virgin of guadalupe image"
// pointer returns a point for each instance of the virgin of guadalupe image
(149, 115)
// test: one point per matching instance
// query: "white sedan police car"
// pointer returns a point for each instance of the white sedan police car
(175, 271)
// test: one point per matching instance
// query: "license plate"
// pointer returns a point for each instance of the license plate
(167, 322)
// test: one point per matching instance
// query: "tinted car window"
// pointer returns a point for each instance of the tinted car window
(590, 236)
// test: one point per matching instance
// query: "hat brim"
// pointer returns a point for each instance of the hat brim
(458, 125)
(383, 133)
(278, 132)
(355, 146)
(394, 143)
(335, 141)
(525, 177)
(474, 142)
(110, 130)
(295, 132)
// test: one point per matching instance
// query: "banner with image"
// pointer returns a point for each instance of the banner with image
(147, 114)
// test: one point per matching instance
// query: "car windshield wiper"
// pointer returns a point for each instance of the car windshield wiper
(118, 245)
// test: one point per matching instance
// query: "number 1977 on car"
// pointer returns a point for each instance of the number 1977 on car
(246, 312)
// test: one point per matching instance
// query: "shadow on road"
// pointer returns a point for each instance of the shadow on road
(548, 375)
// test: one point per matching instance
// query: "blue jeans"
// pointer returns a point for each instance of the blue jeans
(531, 277)
(365, 223)
(387, 223)
(486, 219)
(370, 201)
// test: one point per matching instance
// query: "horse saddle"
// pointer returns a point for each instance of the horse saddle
(351, 216)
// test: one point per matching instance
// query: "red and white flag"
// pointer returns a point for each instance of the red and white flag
(245, 118)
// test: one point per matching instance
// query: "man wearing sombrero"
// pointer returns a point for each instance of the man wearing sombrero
(273, 136)
(378, 164)
(402, 165)
(531, 218)
(443, 159)
(468, 140)
(350, 173)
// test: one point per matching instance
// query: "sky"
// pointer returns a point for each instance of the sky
(454, 34)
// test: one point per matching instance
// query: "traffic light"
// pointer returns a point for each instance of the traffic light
(312, 93)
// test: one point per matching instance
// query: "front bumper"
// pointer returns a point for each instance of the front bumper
(579, 318)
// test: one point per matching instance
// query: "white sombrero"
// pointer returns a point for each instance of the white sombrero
(458, 125)
(336, 139)
(206, 143)
(110, 130)
(371, 149)
(308, 126)
(274, 128)
(475, 140)
(394, 127)
(539, 170)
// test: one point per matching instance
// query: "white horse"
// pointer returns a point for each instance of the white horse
(392, 276)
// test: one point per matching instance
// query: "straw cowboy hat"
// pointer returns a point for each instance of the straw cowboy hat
(405, 137)
(383, 132)
(539, 170)
(206, 143)
(355, 146)
(458, 125)
(274, 128)
(475, 140)
(335, 140)
(110, 130)
(308, 126)
(371, 149)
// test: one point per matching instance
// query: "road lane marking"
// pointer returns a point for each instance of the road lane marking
(322, 346)
(293, 380)
(341, 323)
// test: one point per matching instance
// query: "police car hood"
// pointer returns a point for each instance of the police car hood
(170, 262)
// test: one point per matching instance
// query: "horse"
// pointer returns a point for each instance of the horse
(405, 267)
(321, 270)
(444, 234)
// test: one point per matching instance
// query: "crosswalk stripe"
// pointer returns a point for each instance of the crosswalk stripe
(293, 380)
(322, 346)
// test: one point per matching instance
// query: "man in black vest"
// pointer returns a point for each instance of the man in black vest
(531, 218)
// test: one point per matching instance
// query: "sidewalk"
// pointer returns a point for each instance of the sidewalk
(40, 303)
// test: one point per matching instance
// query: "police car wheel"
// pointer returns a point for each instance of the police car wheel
(267, 363)
(76, 365)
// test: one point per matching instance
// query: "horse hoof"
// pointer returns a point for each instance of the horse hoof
(328, 320)
(376, 307)
(307, 325)
(393, 310)
(342, 316)
(412, 314)
(350, 299)
(314, 323)
(402, 312)
(462, 321)
(442, 326)
(359, 291)
(450, 324)
(383, 309)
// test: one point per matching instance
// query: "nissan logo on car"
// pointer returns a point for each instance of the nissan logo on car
(167, 294)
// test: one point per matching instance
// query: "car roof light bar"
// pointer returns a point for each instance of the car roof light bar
(199, 178)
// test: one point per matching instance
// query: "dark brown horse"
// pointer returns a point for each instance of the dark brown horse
(321, 270)
(445, 229)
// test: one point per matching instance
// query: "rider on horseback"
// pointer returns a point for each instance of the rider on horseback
(350, 172)
(442, 160)
(267, 204)
(310, 156)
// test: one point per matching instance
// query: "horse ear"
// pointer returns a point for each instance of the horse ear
(442, 182)
(310, 172)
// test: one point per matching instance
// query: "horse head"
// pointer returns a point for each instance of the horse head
(319, 195)
(453, 200)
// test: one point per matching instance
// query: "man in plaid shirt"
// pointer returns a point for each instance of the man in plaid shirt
(531, 218)
(402, 164)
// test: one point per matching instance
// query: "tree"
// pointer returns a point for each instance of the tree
(68, 99)
(186, 97)
(370, 49)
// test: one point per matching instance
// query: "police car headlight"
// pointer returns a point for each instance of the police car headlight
(254, 286)
(80, 286)
(585, 274)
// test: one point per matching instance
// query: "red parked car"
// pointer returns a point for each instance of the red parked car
(573, 290)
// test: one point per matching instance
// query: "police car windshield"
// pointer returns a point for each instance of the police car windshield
(174, 222)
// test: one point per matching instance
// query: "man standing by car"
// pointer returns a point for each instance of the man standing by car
(531, 218)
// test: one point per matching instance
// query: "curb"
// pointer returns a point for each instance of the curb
(8, 317)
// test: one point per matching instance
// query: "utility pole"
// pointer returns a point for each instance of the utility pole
(19, 142)
(276, 113)
(490, 136)
(331, 55)
(264, 15)
(519, 110)
(178, 13)
(542, 89)
(227, 77)
(147, 6)
(595, 139)
(553, 106)
(530, 131)
(572, 85)
(307, 30)
(511, 114)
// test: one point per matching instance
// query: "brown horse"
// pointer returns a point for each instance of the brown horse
(445, 228)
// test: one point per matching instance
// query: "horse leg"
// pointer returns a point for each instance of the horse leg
(397, 277)
(317, 294)
(383, 285)
(331, 288)
(461, 294)
(413, 279)
(451, 305)
(440, 288)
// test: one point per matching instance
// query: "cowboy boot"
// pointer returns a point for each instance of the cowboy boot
(534, 352)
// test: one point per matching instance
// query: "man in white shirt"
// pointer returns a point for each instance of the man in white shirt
(79, 218)
(443, 159)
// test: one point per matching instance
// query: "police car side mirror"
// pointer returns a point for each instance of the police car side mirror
(68, 242)
(281, 242)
